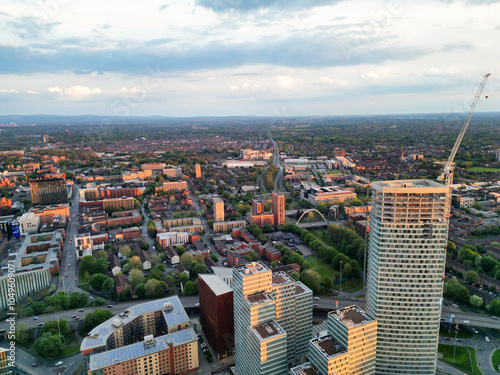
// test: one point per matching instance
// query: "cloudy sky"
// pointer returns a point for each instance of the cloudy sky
(247, 57)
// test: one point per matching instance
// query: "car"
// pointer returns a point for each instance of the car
(74, 316)
(315, 305)
(458, 340)
(90, 297)
(494, 317)
(466, 322)
(475, 330)
(58, 363)
(480, 347)
(443, 319)
(446, 338)
(109, 306)
(69, 265)
(487, 339)
(81, 310)
(66, 275)
(35, 365)
(197, 304)
(39, 325)
(35, 318)
(316, 298)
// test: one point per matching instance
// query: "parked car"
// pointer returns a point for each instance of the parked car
(197, 304)
(480, 347)
(58, 363)
(475, 330)
(315, 305)
(494, 317)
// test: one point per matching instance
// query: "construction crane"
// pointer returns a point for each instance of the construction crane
(449, 166)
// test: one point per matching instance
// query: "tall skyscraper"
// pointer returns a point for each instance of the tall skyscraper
(406, 260)
(264, 304)
(278, 207)
(197, 170)
(218, 209)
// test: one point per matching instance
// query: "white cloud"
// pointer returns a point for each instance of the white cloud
(247, 88)
(287, 82)
(125, 90)
(9, 90)
(333, 82)
(370, 75)
(55, 89)
(31, 92)
(80, 91)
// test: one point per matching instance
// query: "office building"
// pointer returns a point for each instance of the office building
(264, 304)
(174, 172)
(174, 186)
(29, 223)
(406, 260)
(327, 194)
(197, 169)
(216, 313)
(328, 356)
(218, 207)
(354, 329)
(49, 191)
(5, 206)
(278, 207)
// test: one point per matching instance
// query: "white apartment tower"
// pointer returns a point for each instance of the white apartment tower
(406, 261)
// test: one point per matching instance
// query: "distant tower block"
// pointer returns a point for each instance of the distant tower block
(66, 132)
(198, 170)
(45, 138)
(278, 207)
(218, 210)
(498, 155)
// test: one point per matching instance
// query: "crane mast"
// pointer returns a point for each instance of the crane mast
(449, 165)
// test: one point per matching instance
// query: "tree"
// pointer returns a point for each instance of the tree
(155, 288)
(22, 333)
(186, 259)
(328, 282)
(451, 246)
(60, 300)
(497, 275)
(101, 254)
(214, 258)
(311, 279)
(109, 210)
(126, 268)
(471, 276)
(140, 290)
(456, 291)
(52, 327)
(494, 307)
(180, 250)
(476, 301)
(49, 346)
(125, 251)
(96, 281)
(183, 277)
(135, 262)
(108, 285)
(267, 228)
(78, 300)
(136, 277)
(93, 319)
(189, 289)
(99, 301)
(295, 276)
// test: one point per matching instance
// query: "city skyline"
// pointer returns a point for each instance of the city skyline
(230, 57)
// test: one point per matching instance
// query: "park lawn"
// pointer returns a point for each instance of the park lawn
(465, 358)
(347, 285)
(322, 235)
(84, 287)
(70, 350)
(482, 169)
(464, 333)
(321, 267)
(357, 289)
(496, 360)
(334, 171)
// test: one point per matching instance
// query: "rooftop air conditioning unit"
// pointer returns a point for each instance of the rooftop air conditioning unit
(169, 306)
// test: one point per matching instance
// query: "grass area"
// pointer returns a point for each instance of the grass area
(322, 234)
(70, 350)
(482, 169)
(463, 333)
(465, 358)
(346, 285)
(357, 289)
(293, 206)
(496, 360)
(78, 370)
(84, 287)
(321, 267)
(334, 171)
(360, 296)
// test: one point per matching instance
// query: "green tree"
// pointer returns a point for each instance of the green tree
(328, 282)
(101, 254)
(135, 262)
(49, 346)
(451, 246)
(183, 277)
(140, 290)
(189, 289)
(108, 286)
(93, 319)
(311, 279)
(78, 300)
(186, 259)
(135, 277)
(52, 327)
(471, 276)
(476, 301)
(295, 276)
(125, 251)
(180, 250)
(96, 281)
(22, 333)
(61, 300)
(155, 288)
(99, 301)
(457, 292)
(494, 307)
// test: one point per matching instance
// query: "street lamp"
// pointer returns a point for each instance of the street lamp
(59, 328)
(340, 276)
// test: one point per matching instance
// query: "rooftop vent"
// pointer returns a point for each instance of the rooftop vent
(169, 306)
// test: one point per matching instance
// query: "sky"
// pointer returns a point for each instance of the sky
(247, 57)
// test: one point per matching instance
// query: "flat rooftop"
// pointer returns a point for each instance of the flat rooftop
(420, 183)
(300, 288)
(98, 336)
(351, 316)
(252, 268)
(258, 298)
(328, 346)
(268, 330)
(216, 284)
(280, 278)
(304, 369)
(137, 350)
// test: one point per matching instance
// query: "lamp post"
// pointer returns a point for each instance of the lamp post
(340, 276)
(59, 328)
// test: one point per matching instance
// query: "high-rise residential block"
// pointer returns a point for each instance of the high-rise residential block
(264, 304)
(406, 260)
(218, 208)
(173, 172)
(278, 207)
(49, 191)
(257, 206)
(357, 331)
(197, 170)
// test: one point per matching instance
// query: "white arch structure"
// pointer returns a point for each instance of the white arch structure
(310, 210)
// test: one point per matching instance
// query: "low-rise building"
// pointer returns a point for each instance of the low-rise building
(225, 226)
(29, 223)
(327, 194)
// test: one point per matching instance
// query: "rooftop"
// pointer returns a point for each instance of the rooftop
(303, 369)
(216, 284)
(267, 330)
(126, 353)
(328, 346)
(301, 289)
(351, 316)
(258, 298)
(175, 316)
(281, 278)
(422, 183)
(252, 268)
